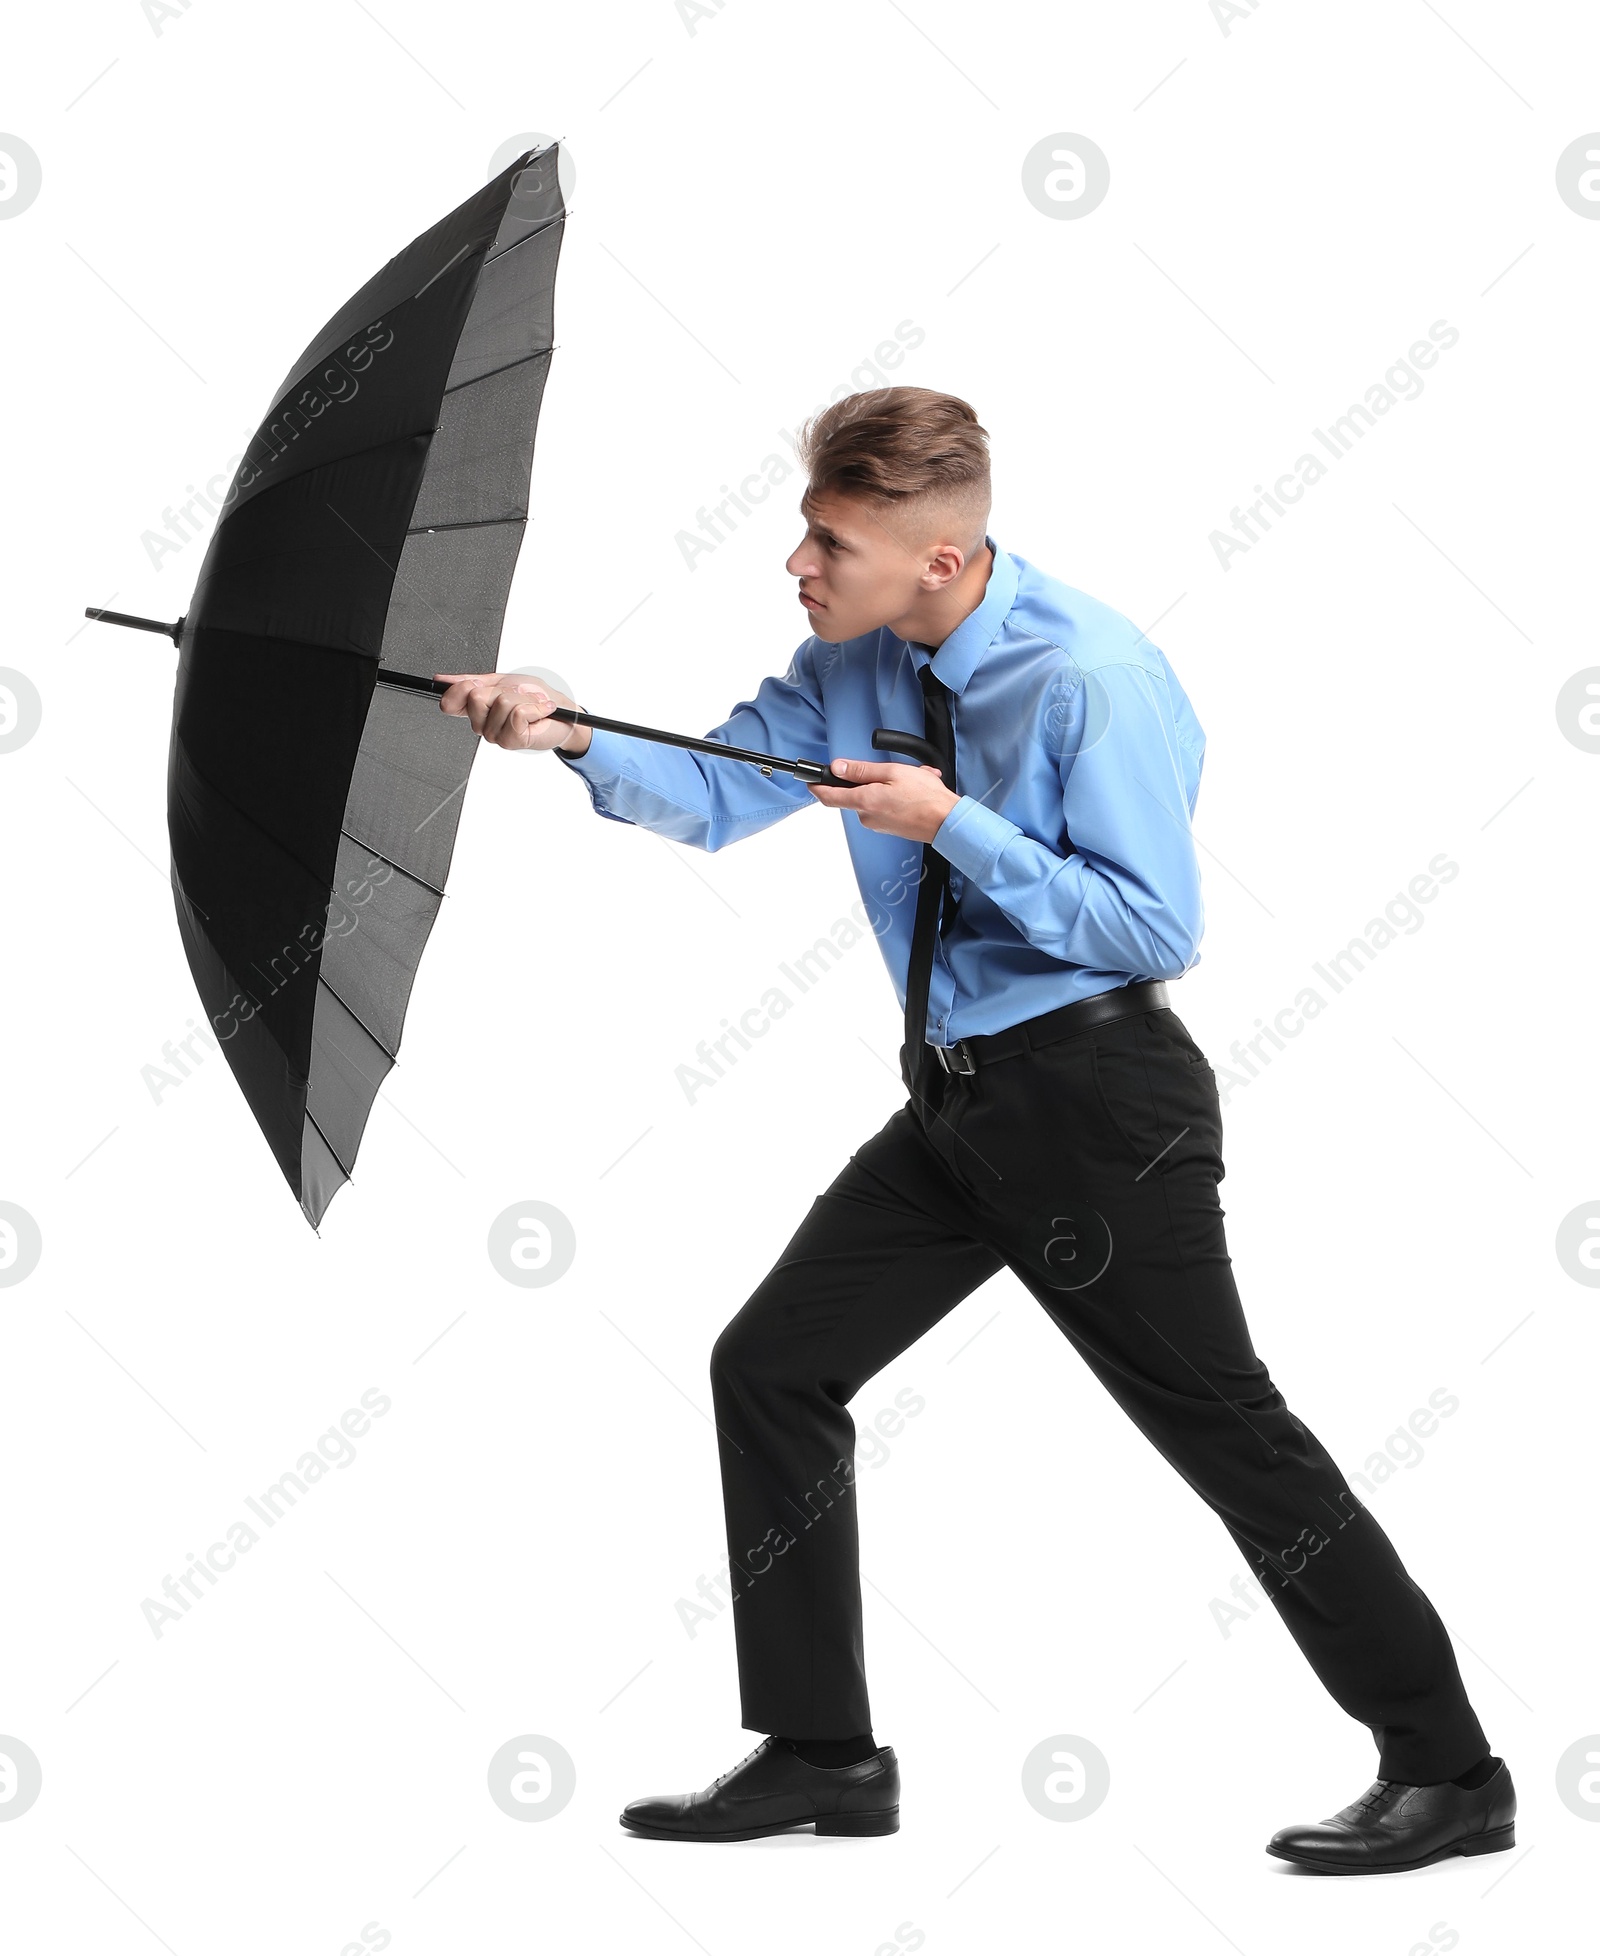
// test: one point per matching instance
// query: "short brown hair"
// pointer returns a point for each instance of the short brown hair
(900, 446)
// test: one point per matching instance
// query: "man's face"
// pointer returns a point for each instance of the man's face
(855, 573)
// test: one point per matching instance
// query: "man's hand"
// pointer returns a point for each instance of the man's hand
(510, 710)
(890, 798)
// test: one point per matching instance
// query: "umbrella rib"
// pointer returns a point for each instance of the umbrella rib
(415, 878)
(538, 231)
(327, 462)
(539, 353)
(332, 1150)
(477, 523)
(394, 1058)
(394, 571)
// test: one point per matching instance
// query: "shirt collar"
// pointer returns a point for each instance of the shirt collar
(956, 660)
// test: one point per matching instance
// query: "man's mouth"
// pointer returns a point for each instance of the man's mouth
(811, 603)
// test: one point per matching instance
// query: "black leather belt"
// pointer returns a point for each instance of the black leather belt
(1145, 995)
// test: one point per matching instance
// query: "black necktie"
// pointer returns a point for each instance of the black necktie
(935, 880)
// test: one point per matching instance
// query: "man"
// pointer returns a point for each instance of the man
(1031, 896)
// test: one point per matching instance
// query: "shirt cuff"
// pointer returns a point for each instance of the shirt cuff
(603, 755)
(972, 837)
(601, 768)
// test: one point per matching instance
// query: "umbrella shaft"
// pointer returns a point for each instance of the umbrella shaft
(414, 682)
(768, 763)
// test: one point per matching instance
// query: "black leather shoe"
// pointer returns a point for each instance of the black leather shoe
(1393, 1827)
(772, 1790)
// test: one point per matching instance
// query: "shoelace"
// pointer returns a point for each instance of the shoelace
(1376, 1795)
(743, 1762)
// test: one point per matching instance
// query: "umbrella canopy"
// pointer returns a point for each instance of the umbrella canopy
(367, 542)
(376, 518)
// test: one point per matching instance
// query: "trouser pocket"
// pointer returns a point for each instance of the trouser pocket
(1158, 1104)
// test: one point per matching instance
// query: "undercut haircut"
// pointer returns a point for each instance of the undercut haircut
(912, 454)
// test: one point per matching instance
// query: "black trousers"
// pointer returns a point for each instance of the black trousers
(1090, 1167)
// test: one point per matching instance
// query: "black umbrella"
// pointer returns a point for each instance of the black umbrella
(370, 536)
(376, 517)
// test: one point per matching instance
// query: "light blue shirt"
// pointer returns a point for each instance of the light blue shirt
(1078, 762)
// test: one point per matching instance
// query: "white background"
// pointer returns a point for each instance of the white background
(759, 202)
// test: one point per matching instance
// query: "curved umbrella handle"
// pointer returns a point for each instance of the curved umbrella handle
(892, 740)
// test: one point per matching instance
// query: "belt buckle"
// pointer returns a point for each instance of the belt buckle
(950, 1055)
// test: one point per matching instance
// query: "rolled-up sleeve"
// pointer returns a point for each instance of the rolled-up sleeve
(1123, 891)
(703, 801)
